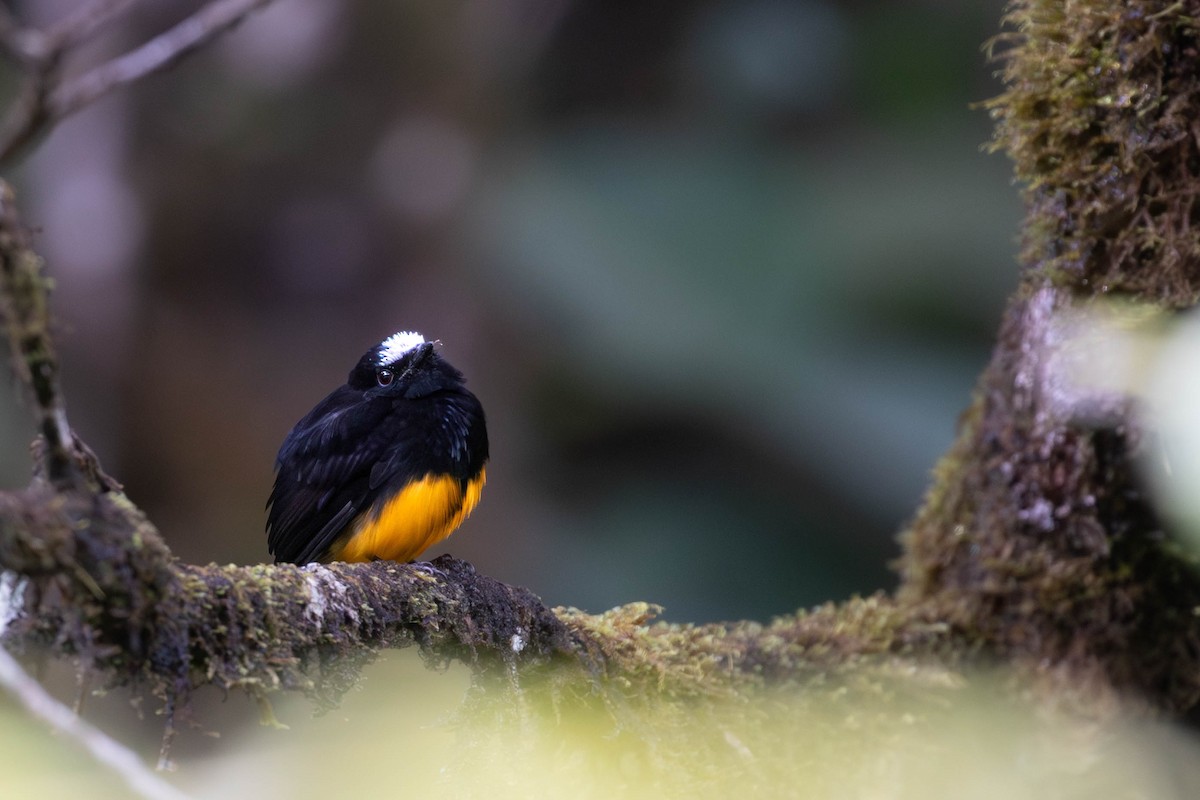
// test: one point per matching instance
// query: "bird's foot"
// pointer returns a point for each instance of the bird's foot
(425, 568)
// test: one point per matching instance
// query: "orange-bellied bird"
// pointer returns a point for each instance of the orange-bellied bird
(385, 466)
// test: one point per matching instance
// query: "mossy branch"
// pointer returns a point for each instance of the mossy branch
(1035, 544)
(97, 584)
(23, 291)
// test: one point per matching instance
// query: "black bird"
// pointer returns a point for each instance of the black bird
(385, 466)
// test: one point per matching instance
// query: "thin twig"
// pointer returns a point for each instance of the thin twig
(83, 23)
(161, 52)
(39, 55)
(106, 750)
(45, 98)
(39, 62)
(28, 116)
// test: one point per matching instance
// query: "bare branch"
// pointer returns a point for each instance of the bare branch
(28, 116)
(39, 55)
(85, 22)
(106, 750)
(157, 54)
(44, 99)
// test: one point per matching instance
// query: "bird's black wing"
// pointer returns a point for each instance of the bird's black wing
(323, 475)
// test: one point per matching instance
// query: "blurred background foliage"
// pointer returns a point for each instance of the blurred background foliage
(722, 273)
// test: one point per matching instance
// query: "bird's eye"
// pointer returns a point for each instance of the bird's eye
(385, 377)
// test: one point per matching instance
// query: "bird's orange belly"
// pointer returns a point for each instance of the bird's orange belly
(419, 516)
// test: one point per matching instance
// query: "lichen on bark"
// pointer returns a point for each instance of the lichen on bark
(1038, 538)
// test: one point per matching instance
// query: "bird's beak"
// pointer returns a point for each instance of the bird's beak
(419, 358)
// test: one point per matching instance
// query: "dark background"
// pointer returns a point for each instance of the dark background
(722, 273)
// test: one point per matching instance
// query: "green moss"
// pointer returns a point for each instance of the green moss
(1036, 541)
(1098, 118)
(801, 649)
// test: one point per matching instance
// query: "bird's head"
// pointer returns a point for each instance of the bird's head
(404, 365)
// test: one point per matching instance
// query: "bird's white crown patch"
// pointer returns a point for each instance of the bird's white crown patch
(395, 346)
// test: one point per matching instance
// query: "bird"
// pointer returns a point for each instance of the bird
(386, 466)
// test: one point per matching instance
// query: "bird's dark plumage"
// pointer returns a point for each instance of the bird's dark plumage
(384, 466)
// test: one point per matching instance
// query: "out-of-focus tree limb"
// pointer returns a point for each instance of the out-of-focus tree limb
(46, 97)
(107, 751)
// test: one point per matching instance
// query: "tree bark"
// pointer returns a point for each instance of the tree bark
(1037, 536)
(1035, 543)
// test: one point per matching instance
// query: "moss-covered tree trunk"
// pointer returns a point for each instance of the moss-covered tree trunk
(1036, 536)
